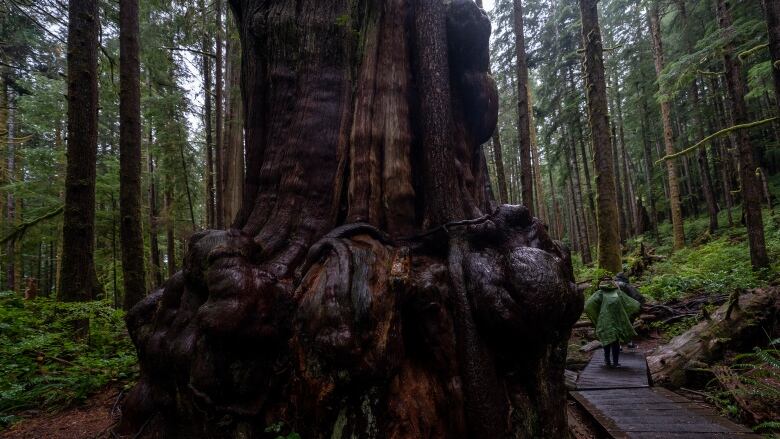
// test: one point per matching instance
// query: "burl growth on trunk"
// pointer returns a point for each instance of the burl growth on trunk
(369, 287)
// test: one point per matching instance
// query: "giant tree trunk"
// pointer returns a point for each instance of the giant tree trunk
(328, 308)
(131, 231)
(751, 189)
(78, 280)
(678, 230)
(603, 160)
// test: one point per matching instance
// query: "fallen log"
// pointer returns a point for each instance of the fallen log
(707, 341)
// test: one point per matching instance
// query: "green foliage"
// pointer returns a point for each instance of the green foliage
(43, 366)
(719, 265)
(278, 428)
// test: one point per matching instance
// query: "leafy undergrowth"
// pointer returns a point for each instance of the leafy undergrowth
(747, 388)
(42, 364)
(711, 264)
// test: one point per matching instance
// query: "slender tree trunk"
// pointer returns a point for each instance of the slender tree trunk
(616, 168)
(539, 197)
(4, 145)
(666, 118)
(523, 115)
(207, 117)
(772, 12)
(218, 116)
(503, 195)
(154, 245)
(131, 229)
(751, 190)
(628, 190)
(170, 236)
(233, 159)
(596, 90)
(579, 211)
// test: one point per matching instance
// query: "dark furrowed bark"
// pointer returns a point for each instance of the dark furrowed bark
(362, 321)
(78, 281)
(131, 230)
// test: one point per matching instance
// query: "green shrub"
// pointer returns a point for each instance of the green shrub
(43, 366)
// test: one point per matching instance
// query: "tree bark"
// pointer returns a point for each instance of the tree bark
(131, 229)
(381, 292)
(751, 189)
(503, 195)
(772, 12)
(523, 115)
(233, 158)
(219, 146)
(666, 117)
(78, 281)
(596, 90)
(211, 208)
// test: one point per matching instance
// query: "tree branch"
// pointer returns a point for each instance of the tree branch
(712, 136)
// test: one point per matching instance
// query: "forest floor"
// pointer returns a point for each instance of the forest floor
(93, 419)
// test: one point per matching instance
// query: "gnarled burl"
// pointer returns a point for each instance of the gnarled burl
(369, 286)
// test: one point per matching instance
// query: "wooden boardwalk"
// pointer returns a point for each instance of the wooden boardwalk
(623, 402)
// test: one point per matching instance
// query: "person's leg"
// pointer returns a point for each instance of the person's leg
(607, 350)
(616, 353)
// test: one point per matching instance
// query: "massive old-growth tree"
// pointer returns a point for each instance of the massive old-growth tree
(369, 287)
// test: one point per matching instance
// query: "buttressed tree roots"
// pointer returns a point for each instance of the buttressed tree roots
(369, 286)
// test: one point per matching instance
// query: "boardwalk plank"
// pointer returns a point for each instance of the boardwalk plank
(624, 404)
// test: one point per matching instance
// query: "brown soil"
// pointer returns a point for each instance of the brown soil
(92, 420)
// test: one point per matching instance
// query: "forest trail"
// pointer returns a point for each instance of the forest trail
(624, 403)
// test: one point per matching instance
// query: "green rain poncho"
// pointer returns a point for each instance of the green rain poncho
(609, 309)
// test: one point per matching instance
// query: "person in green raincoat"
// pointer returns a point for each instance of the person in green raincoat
(610, 310)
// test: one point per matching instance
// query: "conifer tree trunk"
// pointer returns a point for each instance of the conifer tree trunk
(154, 220)
(751, 189)
(678, 230)
(603, 160)
(369, 287)
(498, 155)
(233, 159)
(523, 115)
(772, 12)
(170, 223)
(207, 118)
(78, 281)
(218, 119)
(131, 230)
(579, 210)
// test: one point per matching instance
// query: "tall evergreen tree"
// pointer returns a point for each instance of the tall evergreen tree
(603, 160)
(131, 229)
(78, 280)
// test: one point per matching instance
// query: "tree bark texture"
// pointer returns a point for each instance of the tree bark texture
(523, 115)
(607, 216)
(219, 153)
(131, 229)
(211, 208)
(751, 187)
(678, 230)
(369, 286)
(78, 281)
